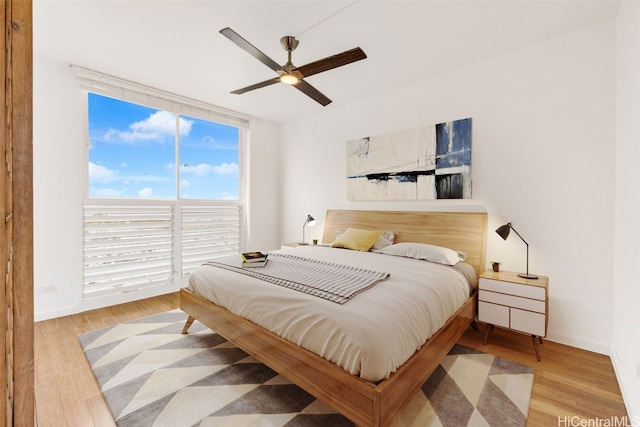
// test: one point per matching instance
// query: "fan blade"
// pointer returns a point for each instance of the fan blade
(257, 86)
(331, 62)
(312, 92)
(249, 48)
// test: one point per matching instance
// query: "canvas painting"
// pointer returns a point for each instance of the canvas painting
(430, 162)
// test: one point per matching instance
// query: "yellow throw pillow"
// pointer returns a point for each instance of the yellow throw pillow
(356, 239)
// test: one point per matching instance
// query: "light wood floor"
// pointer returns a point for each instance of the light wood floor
(568, 382)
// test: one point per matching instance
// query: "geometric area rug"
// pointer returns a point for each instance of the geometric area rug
(152, 375)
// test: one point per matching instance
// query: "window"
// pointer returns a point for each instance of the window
(164, 185)
(134, 151)
(209, 163)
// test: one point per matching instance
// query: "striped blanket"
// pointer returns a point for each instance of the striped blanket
(334, 282)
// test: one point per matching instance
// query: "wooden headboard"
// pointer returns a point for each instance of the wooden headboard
(461, 231)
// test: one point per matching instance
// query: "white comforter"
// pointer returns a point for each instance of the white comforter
(371, 335)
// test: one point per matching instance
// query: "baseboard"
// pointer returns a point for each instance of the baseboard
(631, 402)
(53, 314)
(596, 347)
(94, 303)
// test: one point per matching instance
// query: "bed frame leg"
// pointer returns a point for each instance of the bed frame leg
(187, 325)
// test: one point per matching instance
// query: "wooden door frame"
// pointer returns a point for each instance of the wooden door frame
(16, 181)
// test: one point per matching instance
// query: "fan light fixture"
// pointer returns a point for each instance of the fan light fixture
(503, 231)
(289, 79)
(311, 221)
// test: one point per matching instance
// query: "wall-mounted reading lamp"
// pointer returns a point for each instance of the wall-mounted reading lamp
(503, 231)
(311, 221)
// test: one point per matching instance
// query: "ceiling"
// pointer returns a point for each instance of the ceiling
(175, 45)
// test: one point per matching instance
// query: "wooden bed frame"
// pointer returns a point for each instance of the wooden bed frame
(363, 402)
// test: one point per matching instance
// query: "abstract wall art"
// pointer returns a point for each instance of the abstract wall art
(430, 162)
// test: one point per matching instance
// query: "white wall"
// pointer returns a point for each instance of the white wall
(626, 320)
(59, 179)
(57, 176)
(263, 201)
(543, 157)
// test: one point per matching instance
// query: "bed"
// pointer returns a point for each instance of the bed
(378, 397)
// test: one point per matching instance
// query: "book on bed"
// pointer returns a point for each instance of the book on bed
(255, 256)
(254, 264)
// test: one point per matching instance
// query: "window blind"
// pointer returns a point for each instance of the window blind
(116, 87)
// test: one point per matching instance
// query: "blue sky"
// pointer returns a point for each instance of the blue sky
(132, 153)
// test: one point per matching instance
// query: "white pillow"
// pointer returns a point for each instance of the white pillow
(424, 251)
(385, 239)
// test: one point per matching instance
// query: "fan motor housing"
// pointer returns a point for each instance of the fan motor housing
(289, 43)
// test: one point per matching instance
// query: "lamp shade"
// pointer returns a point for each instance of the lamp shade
(310, 220)
(503, 231)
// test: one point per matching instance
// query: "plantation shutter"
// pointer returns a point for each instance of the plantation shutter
(130, 245)
(208, 231)
(127, 247)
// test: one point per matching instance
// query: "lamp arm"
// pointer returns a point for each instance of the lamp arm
(514, 230)
(303, 226)
(525, 242)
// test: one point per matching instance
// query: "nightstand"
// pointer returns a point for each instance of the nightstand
(297, 244)
(512, 302)
(293, 245)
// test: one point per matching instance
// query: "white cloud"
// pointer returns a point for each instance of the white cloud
(146, 192)
(156, 127)
(199, 170)
(104, 175)
(185, 183)
(205, 169)
(107, 192)
(148, 178)
(211, 143)
(101, 173)
(227, 196)
(226, 169)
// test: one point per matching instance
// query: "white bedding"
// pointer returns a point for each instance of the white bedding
(371, 335)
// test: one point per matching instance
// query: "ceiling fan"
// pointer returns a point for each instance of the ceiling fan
(289, 73)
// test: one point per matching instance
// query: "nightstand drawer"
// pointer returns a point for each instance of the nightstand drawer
(512, 301)
(493, 314)
(526, 321)
(510, 288)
